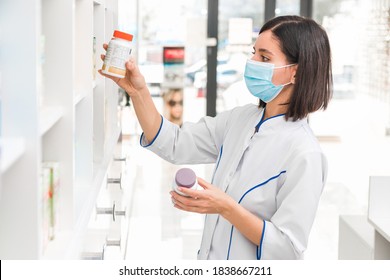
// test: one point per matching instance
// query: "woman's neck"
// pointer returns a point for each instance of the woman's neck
(274, 110)
(279, 105)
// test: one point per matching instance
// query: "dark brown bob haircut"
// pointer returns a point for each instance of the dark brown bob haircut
(306, 43)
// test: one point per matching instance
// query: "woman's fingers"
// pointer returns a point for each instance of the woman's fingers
(105, 75)
(133, 81)
(132, 66)
(183, 199)
(192, 193)
(186, 205)
(203, 183)
(115, 79)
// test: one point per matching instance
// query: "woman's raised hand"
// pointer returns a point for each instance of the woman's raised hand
(133, 82)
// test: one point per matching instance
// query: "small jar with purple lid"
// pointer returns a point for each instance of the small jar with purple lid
(185, 178)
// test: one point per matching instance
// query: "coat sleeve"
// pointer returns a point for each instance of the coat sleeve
(286, 234)
(193, 143)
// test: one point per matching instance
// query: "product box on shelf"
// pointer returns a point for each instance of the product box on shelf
(94, 62)
(52, 192)
(45, 205)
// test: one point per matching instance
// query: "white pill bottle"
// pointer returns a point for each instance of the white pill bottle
(118, 52)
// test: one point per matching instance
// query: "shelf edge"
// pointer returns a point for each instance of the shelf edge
(11, 150)
(48, 117)
(90, 202)
(98, 2)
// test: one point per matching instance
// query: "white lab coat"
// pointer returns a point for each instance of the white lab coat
(277, 174)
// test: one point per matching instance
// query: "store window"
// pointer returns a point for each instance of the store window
(158, 24)
(359, 114)
(287, 7)
(164, 29)
(359, 33)
(238, 28)
(341, 19)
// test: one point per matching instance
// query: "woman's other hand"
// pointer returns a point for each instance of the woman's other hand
(210, 200)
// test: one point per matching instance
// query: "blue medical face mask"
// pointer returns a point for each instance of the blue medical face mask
(258, 79)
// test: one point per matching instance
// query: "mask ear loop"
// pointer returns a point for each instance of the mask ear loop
(285, 66)
(286, 84)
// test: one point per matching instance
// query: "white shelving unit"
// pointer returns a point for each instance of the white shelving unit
(13, 149)
(48, 117)
(379, 215)
(53, 109)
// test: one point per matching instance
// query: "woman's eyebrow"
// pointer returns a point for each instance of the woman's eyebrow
(265, 51)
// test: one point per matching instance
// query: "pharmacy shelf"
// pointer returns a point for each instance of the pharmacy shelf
(11, 150)
(88, 195)
(68, 243)
(379, 214)
(58, 114)
(48, 117)
(98, 2)
(78, 98)
(100, 171)
(382, 225)
(56, 248)
(379, 206)
(80, 95)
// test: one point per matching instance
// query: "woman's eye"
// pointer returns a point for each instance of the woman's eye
(264, 58)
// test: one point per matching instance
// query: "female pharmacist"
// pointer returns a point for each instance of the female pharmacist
(270, 170)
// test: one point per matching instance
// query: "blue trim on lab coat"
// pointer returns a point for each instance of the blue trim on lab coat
(257, 127)
(219, 159)
(260, 247)
(258, 254)
(155, 137)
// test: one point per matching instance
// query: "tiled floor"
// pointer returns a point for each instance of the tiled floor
(351, 134)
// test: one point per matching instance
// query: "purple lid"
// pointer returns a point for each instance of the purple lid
(185, 177)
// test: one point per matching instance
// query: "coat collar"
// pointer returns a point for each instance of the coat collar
(276, 122)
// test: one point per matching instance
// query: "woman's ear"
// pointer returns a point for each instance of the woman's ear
(293, 73)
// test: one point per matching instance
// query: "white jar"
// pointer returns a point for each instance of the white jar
(118, 52)
(185, 178)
